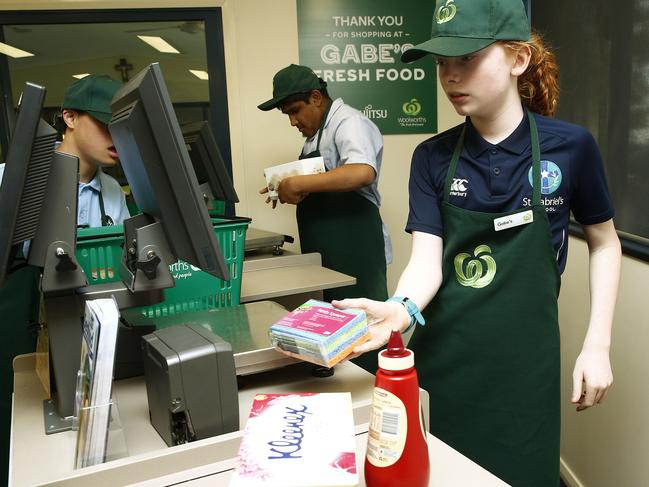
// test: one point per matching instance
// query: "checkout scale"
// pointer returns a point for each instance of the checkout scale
(191, 360)
(244, 326)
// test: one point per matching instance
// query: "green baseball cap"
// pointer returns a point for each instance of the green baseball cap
(92, 95)
(464, 26)
(289, 81)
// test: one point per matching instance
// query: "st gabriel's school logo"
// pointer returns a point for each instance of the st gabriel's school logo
(550, 177)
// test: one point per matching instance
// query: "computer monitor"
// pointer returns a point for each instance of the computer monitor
(208, 162)
(159, 171)
(26, 173)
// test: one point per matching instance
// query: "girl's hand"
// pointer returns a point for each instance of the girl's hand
(592, 377)
(382, 317)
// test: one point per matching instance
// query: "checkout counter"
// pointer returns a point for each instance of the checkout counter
(37, 459)
(145, 460)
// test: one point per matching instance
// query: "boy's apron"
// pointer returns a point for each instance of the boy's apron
(345, 228)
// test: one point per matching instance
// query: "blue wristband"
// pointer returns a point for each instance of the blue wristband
(412, 309)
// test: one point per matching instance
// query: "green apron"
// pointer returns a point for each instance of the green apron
(489, 356)
(19, 298)
(345, 228)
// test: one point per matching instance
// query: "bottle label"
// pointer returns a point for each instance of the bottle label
(388, 429)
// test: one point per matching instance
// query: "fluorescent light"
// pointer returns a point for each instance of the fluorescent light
(80, 75)
(13, 51)
(200, 74)
(159, 43)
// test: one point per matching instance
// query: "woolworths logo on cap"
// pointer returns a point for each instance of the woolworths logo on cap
(445, 12)
(412, 107)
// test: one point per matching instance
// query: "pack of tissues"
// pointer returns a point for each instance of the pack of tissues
(319, 333)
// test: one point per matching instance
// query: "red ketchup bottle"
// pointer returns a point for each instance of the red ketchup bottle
(397, 453)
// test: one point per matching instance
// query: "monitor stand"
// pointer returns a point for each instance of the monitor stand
(65, 288)
(146, 256)
(54, 243)
(64, 316)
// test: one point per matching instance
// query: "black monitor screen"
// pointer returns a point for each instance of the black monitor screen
(207, 161)
(26, 172)
(159, 171)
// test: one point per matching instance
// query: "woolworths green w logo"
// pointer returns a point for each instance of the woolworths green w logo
(473, 273)
(445, 12)
(412, 107)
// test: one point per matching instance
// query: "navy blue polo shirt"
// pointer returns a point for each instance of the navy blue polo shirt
(497, 178)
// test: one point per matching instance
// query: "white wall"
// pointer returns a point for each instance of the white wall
(607, 445)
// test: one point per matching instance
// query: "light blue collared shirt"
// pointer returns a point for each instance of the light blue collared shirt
(89, 212)
(349, 137)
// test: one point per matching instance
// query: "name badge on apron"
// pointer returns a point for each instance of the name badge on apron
(515, 220)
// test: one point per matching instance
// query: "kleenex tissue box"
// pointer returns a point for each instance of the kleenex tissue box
(298, 440)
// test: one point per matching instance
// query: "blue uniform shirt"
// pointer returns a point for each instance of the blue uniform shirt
(349, 137)
(497, 178)
(89, 213)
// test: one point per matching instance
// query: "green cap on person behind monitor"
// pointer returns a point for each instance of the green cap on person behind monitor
(93, 95)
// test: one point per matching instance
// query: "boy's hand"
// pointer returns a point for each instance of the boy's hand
(289, 190)
(264, 190)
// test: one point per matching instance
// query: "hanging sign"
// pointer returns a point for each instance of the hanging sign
(355, 47)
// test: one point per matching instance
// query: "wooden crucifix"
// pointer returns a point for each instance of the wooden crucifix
(123, 67)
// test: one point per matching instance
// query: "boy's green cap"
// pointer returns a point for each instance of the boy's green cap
(93, 95)
(289, 81)
(464, 26)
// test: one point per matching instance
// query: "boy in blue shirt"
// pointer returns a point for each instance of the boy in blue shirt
(86, 113)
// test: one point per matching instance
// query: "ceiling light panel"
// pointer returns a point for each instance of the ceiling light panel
(159, 43)
(200, 74)
(13, 51)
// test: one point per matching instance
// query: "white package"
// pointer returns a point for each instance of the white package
(275, 174)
